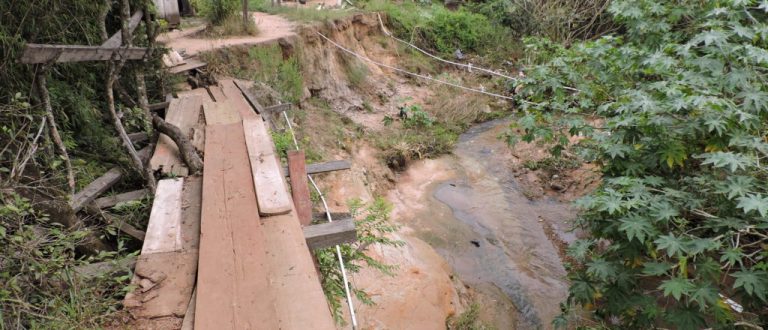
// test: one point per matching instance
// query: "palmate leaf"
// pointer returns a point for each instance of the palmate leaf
(754, 202)
(677, 287)
(711, 37)
(686, 318)
(728, 160)
(601, 269)
(755, 100)
(636, 227)
(671, 244)
(656, 268)
(754, 282)
(699, 245)
(704, 295)
(736, 186)
(732, 256)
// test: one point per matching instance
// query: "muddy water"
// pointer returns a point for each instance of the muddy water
(469, 208)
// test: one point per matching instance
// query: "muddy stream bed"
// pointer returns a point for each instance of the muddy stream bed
(470, 209)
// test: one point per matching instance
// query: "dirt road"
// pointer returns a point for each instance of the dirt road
(271, 27)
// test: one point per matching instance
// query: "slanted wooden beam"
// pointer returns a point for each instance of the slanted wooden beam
(278, 108)
(37, 53)
(117, 39)
(95, 188)
(190, 64)
(250, 97)
(330, 234)
(299, 186)
(110, 201)
(158, 106)
(335, 165)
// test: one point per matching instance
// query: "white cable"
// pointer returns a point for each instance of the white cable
(347, 290)
(413, 74)
(468, 66)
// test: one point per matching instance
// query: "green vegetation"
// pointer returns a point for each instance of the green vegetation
(680, 223)
(468, 320)
(218, 11)
(373, 228)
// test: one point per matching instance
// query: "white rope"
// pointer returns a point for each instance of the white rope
(414, 74)
(468, 66)
(347, 290)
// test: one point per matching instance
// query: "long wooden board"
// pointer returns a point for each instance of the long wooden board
(300, 186)
(235, 97)
(164, 228)
(37, 53)
(219, 113)
(271, 191)
(233, 274)
(299, 299)
(117, 39)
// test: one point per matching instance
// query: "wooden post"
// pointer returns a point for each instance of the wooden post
(299, 186)
(245, 15)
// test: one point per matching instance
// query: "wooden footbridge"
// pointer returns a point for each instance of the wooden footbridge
(226, 250)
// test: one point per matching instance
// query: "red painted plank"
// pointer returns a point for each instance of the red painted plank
(297, 167)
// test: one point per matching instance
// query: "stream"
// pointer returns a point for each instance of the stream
(473, 213)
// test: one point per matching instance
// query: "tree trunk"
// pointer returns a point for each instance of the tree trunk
(46, 99)
(187, 151)
(245, 15)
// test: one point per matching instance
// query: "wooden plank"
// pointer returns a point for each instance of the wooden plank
(138, 137)
(278, 108)
(99, 269)
(164, 284)
(110, 201)
(219, 113)
(164, 228)
(334, 165)
(321, 217)
(235, 97)
(158, 106)
(216, 93)
(250, 97)
(37, 53)
(330, 234)
(189, 64)
(184, 113)
(201, 92)
(189, 316)
(95, 188)
(299, 299)
(117, 39)
(271, 191)
(233, 276)
(299, 186)
(172, 294)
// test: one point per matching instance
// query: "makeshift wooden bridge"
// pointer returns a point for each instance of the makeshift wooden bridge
(227, 250)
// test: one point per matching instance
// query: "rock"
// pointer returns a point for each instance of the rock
(556, 186)
(149, 296)
(146, 284)
(157, 277)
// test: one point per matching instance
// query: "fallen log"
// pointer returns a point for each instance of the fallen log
(186, 149)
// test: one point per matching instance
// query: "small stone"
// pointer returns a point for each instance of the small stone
(556, 187)
(157, 277)
(555, 176)
(146, 285)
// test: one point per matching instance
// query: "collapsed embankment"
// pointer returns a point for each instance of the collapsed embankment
(347, 108)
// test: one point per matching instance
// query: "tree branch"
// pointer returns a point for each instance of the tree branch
(187, 151)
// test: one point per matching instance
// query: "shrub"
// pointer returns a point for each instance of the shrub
(680, 224)
(217, 11)
(451, 30)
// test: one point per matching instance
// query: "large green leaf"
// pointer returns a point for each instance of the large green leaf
(754, 282)
(636, 227)
(677, 287)
(671, 244)
(754, 202)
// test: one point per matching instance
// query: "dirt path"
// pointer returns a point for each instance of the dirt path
(271, 27)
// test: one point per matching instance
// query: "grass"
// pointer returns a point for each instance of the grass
(232, 25)
(300, 13)
(468, 320)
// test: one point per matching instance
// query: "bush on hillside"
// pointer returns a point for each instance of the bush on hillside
(679, 228)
